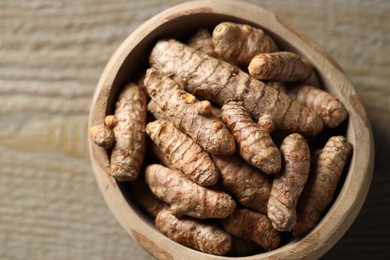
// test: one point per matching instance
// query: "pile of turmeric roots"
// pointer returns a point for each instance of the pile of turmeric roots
(227, 144)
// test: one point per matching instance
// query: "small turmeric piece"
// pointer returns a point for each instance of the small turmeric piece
(212, 79)
(190, 115)
(184, 153)
(327, 106)
(252, 225)
(129, 150)
(202, 41)
(321, 184)
(282, 66)
(239, 43)
(254, 143)
(197, 234)
(186, 197)
(103, 135)
(245, 183)
(288, 185)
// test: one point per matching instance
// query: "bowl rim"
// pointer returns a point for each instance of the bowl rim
(345, 208)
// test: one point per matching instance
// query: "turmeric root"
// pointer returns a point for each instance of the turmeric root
(321, 184)
(202, 41)
(184, 154)
(103, 135)
(288, 185)
(186, 197)
(205, 237)
(247, 184)
(252, 225)
(267, 123)
(188, 114)
(254, 143)
(281, 66)
(239, 43)
(212, 79)
(327, 106)
(146, 199)
(278, 85)
(159, 155)
(128, 153)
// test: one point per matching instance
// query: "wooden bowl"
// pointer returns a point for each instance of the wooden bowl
(178, 22)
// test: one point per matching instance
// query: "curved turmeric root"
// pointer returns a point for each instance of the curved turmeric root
(212, 79)
(288, 185)
(281, 66)
(248, 185)
(321, 184)
(205, 237)
(186, 197)
(190, 115)
(254, 143)
(184, 154)
(252, 225)
(327, 106)
(239, 43)
(128, 152)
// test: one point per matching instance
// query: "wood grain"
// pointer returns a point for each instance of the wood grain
(51, 56)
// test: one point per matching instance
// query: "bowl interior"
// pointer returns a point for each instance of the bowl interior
(180, 22)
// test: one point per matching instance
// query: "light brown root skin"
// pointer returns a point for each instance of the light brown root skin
(205, 237)
(184, 154)
(254, 143)
(252, 225)
(322, 183)
(247, 184)
(202, 41)
(215, 80)
(156, 111)
(288, 185)
(267, 123)
(102, 136)
(128, 153)
(186, 197)
(239, 43)
(280, 66)
(190, 115)
(326, 105)
(159, 155)
(146, 199)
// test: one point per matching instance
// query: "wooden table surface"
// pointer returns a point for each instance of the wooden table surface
(51, 56)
